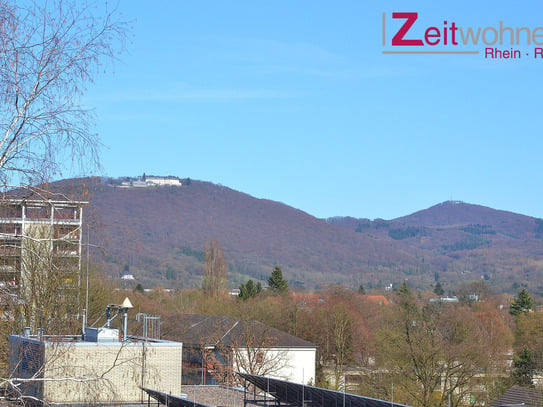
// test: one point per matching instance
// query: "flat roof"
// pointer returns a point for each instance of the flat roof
(59, 202)
(78, 341)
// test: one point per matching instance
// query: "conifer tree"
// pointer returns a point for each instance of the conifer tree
(276, 282)
(249, 290)
(521, 304)
(524, 368)
(438, 289)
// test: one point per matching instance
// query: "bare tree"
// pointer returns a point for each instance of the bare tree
(340, 326)
(49, 294)
(55, 369)
(257, 352)
(50, 52)
(215, 281)
(434, 353)
(251, 348)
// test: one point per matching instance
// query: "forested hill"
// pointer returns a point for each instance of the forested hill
(158, 234)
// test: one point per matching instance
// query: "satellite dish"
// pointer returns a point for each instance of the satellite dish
(126, 303)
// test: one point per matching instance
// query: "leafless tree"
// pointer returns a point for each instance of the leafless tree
(258, 354)
(215, 281)
(251, 349)
(54, 370)
(49, 290)
(436, 354)
(50, 51)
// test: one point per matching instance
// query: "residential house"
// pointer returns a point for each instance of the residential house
(216, 347)
(520, 396)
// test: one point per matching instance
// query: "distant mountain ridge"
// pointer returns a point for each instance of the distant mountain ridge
(451, 213)
(159, 233)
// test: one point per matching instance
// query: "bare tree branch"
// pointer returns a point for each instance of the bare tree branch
(49, 54)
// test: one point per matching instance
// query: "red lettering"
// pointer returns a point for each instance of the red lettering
(453, 32)
(428, 35)
(398, 38)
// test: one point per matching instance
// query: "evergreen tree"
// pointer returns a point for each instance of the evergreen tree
(276, 282)
(521, 304)
(249, 290)
(438, 289)
(524, 368)
(406, 299)
(403, 290)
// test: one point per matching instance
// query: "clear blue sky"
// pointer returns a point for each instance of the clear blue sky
(294, 101)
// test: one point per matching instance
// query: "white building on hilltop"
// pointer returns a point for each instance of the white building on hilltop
(163, 181)
(152, 181)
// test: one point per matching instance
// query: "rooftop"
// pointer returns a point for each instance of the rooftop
(211, 330)
(520, 396)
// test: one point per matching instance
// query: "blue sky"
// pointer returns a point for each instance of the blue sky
(294, 101)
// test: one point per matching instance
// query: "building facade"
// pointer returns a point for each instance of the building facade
(215, 348)
(40, 256)
(69, 370)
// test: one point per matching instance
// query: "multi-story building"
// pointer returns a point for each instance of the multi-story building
(40, 256)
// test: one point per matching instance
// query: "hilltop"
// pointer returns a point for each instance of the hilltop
(158, 233)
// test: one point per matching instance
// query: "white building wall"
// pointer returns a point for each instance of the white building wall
(303, 362)
(292, 364)
(163, 181)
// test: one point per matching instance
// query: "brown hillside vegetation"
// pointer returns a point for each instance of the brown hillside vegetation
(158, 234)
(156, 229)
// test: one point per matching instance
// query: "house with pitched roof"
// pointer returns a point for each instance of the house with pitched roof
(518, 396)
(216, 347)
